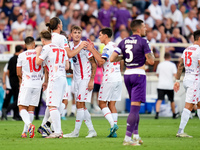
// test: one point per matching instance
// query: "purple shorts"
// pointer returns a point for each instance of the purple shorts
(136, 86)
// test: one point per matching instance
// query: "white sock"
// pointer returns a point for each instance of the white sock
(136, 136)
(127, 138)
(61, 108)
(46, 116)
(31, 114)
(115, 117)
(184, 119)
(198, 113)
(73, 110)
(108, 116)
(56, 121)
(79, 119)
(25, 117)
(87, 119)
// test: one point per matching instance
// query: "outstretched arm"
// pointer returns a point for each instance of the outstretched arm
(115, 57)
(72, 53)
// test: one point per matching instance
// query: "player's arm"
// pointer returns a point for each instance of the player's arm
(178, 75)
(115, 57)
(96, 54)
(38, 51)
(72, 53)
(4, 80)
(93, 72)
(67, 65)
(150, 58)
(19, 74)
(46, 78)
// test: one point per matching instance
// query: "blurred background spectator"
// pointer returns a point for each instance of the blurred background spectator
(20, 18)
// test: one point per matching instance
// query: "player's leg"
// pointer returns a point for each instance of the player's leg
(55, 94)
(198, 109)
(170, 94)
(111, 106)
(87, 116)
(73, 109)
(161, 94)
(105, 94)
(79, 120)
(184, 119)
(136, 86)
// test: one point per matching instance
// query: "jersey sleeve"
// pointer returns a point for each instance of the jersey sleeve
(65, 42)
(44, 53)
(157, 70)
(105, 53)
(119, 48)
(19, 60)
(146, 47)
(89, 54)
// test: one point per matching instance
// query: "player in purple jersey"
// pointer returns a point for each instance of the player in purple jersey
(135, 52)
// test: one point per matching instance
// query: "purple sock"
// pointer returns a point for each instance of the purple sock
(133, 120)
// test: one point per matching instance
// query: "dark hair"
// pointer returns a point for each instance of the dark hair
(135, 24)
(76, 28)
(45, 35)
(196, 35)
(18, 48)
(107, 31)
(167, 55)
(64, 33)
(29, 40)
(53, 24)
(31, 14)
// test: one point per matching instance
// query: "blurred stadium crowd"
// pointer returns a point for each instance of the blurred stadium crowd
(167, 21)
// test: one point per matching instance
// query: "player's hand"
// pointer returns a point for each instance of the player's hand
(44, 86)
(176, 86)
(90, 85)
(84, 44)
(38, 49)
(90, 42)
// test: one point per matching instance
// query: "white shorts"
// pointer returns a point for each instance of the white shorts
(29, 96)
(55, 91)
(66, 95)
(81, 91)
(110, 91)
(191, 84)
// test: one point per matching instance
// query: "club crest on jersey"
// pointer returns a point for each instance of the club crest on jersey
(74, 59)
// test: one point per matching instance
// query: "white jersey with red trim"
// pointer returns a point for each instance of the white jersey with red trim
(31, 73)
(55, 59)
(59, 40)
(191, 56)
(82, 66)
(111, 70)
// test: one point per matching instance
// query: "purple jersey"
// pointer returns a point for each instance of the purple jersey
(122, 16)
(134, 49)
(105, 17)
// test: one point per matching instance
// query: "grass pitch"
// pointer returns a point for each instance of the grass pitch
(157, 135)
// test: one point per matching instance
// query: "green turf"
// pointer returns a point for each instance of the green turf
(156, 134)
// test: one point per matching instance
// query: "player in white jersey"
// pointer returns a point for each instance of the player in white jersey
(83, 75)
(55, 60)
(30, 77)
(191, 61)
(111, 86)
